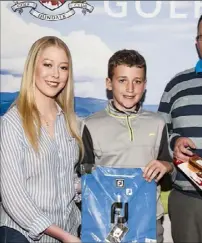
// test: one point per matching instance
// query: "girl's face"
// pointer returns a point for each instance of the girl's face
(51, 73)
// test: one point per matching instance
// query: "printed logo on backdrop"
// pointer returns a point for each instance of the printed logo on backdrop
(52, 5)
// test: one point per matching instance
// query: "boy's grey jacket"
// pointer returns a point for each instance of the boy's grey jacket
(122, 139)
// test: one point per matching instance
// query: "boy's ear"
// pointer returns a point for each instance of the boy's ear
(108, 84)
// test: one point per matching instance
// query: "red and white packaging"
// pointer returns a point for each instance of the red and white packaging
(194, 175)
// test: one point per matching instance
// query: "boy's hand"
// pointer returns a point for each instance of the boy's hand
(156, 170)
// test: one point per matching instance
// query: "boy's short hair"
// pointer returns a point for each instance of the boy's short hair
(199, 21)
(128, 58)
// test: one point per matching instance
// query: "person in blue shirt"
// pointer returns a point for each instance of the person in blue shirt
(181, 106)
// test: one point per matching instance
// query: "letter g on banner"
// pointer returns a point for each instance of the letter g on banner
(122, 6)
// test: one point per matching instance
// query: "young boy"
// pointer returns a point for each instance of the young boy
(124, 135)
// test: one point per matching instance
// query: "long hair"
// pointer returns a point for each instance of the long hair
(26, 104)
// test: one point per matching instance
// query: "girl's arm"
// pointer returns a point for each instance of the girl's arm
(15, 199)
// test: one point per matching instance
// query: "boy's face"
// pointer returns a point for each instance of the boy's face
(127, 85)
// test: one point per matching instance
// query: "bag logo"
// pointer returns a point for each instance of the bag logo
(120, 183)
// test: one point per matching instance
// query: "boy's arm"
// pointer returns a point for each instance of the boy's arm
(164, 154)
(89, 157)
(162, 165)
(88, 161)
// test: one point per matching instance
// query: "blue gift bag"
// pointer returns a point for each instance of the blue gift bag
(118, 205)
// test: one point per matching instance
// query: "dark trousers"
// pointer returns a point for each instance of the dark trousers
(9, 235)
(185, 213)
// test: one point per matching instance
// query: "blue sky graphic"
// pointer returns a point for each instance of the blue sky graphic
(83, 106)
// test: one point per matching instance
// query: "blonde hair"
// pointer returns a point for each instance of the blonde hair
(26, 100)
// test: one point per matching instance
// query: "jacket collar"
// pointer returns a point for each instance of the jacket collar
(198, 67)
(112, 110)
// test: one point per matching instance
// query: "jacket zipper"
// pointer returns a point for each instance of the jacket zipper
(130, 129)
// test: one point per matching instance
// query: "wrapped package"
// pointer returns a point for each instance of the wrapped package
(192, 169)
(118, 205)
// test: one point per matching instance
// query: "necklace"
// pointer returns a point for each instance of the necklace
(45, 121)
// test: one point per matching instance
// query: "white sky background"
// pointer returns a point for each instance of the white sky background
(167, 43)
